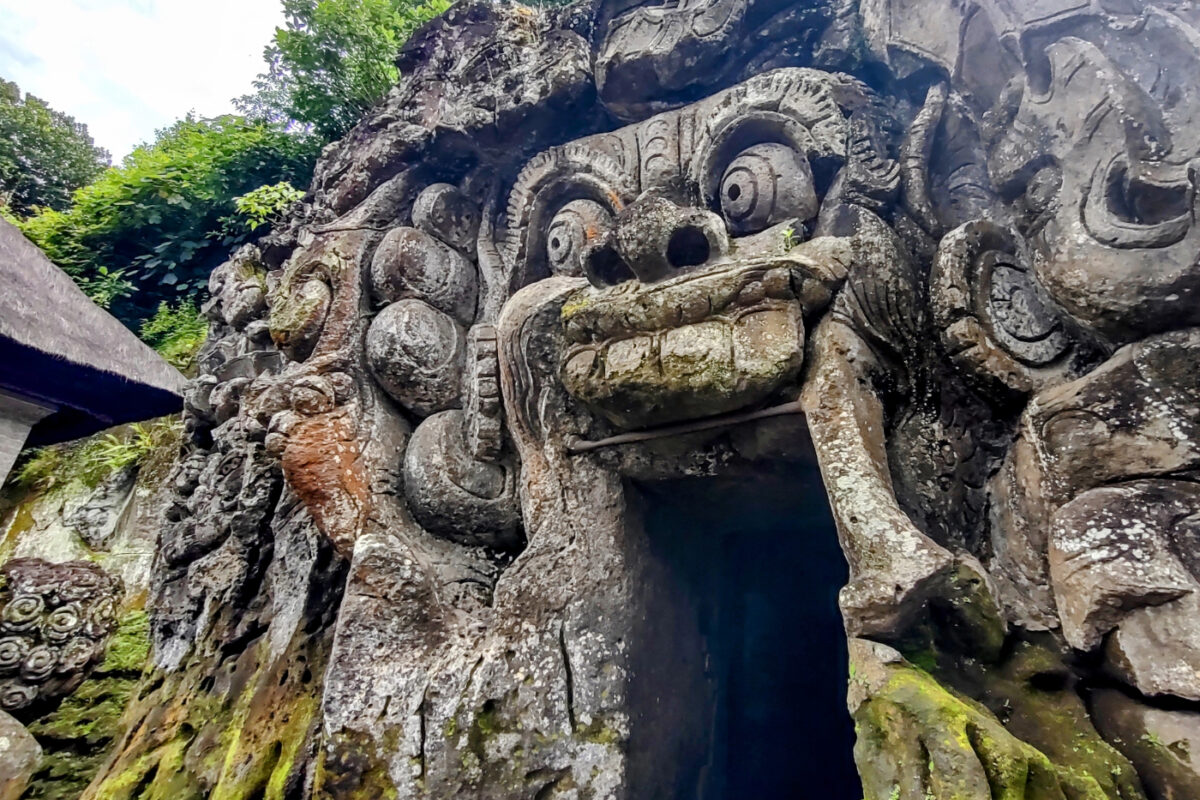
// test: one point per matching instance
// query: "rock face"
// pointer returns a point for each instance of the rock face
(501, 462)
(19, 757)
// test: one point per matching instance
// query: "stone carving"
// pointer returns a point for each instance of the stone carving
(54, 621)
(950, 257)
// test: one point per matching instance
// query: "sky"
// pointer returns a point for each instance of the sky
(126, 68)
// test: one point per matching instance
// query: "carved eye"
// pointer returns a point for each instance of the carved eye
(1141, 199)
(1140, 205)
(573, 227)
(764, 185)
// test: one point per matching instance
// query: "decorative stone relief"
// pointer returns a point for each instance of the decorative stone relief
(54, 621)
(583, 259)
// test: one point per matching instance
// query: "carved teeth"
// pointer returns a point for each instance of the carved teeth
(600, 315)
(700, 353)
(629, 358)
(715, 365)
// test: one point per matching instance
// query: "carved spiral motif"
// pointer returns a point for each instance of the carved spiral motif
(38, 665)
(14, 696)
(13, 650)
(1022, 318)
(996, 321)
(76, 655)
(55, 618)
(62, 622)
(22, 613)
(83, 585)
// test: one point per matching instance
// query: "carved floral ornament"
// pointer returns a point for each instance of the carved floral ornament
(957, 262)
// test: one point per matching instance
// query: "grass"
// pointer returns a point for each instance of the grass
(89, 461)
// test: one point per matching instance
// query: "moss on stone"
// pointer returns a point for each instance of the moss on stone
(597, 732)
(234, 728)
(928, 740)
(357, 773)
(76, 736)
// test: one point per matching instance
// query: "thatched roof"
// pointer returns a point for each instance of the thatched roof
(60, 349)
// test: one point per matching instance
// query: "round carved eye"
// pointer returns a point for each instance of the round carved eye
(764, 185)
(575, 224)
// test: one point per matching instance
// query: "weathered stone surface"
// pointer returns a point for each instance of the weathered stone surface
(453, 494)
(96, 518)
(19, 757)
(1161, 744)
(411, 264)
(417, 354)
(582, 257)
(54, 621)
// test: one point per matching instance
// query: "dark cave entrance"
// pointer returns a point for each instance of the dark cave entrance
(742, 687)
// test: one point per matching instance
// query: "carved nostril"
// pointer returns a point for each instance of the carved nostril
(688, 247)
(605, 267)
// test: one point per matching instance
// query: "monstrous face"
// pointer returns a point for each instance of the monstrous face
(685, 226)
(1111, 202)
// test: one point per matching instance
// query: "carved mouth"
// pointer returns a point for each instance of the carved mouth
(700, 344)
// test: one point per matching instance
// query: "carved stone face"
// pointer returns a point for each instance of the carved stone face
(1112, 202)
(684, 226)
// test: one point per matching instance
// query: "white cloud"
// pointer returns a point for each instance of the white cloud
(129, 67)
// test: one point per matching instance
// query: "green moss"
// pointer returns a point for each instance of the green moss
(129, 648)
(77, 735)
(351, 769)
(597, 732)
(222, 729)
(1048, 747)
(575, 303)
(22, 522)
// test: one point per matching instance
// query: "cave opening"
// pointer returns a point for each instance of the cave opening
(745, 664)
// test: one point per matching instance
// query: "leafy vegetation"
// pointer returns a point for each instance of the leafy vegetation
(333, 60)
(89, 461)
(106, 286)
(266, 203)
(176, 332)
(157, 221)
(150, 231)
(45, 155)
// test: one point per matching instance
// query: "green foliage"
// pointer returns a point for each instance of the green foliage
(106, 286)
(89, 461)
(266, 203)
(176, 333)
(790, 239)
(333, 60)
(45, 155)
(156, 221)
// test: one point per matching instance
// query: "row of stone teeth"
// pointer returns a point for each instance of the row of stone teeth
(758, 340)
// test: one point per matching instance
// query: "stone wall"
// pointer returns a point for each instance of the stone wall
(944, 253)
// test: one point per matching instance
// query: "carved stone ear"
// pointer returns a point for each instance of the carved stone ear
(996, 322)
(454, 495)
